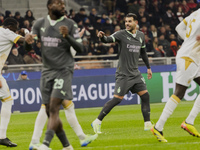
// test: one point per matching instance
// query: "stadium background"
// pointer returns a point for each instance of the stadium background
(94, 85)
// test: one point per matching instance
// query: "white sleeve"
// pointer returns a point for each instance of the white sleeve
(181, 29)
(11, 36)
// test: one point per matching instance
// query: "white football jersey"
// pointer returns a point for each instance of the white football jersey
(190, 47)
(7, 38)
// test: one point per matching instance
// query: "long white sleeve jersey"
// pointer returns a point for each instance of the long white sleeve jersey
(188, 29)
(7, 38)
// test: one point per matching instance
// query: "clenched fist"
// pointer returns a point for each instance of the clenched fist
(100, 34)
(29, 38)
(64, 31)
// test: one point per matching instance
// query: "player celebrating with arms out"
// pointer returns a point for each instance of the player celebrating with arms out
(128, 77)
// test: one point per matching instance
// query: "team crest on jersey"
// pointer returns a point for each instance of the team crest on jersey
(140, 40)
(119, 90)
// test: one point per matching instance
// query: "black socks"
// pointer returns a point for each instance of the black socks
(145, 106)
(108, 107)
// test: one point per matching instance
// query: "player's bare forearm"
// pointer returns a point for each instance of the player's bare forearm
(149, 73)
(28, 40)
(0, 84)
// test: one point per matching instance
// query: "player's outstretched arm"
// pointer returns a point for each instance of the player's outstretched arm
(28, 40)
(105, 39)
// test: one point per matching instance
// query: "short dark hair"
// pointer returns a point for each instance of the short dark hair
(132, 15)
(10, 21)
(82, 9)
(49, 2)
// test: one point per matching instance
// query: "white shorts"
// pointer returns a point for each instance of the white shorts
(184, 75)
(4, 91)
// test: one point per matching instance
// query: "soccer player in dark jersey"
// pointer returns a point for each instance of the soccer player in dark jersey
(128, 77)
(57, 35)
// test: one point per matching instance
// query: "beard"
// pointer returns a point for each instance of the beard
(57, 13)
(130, 29)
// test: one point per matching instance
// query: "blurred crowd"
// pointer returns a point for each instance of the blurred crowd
(157, 19)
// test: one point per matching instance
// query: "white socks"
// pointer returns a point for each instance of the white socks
(73, 122)
(194, 112)
(147, 123)
(39, 125)
(97, 121)
(5, 117)
(42, 118)
(167, 111)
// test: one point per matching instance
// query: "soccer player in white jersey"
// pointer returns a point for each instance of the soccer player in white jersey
(188, 69)
(7, 38)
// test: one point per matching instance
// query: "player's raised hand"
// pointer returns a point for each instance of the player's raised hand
(81, 32)
(64, 31)
(29, 38)
(100, 34)
(149, 72)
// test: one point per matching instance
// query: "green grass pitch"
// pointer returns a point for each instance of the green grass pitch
(122, 129)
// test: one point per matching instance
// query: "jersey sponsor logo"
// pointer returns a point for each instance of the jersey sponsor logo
(50, 41)
(133, 48)
(42, 29)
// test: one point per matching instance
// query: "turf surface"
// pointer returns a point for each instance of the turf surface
(123, 129)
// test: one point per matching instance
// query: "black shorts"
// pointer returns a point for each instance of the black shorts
(56, 84)
(125, 84)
